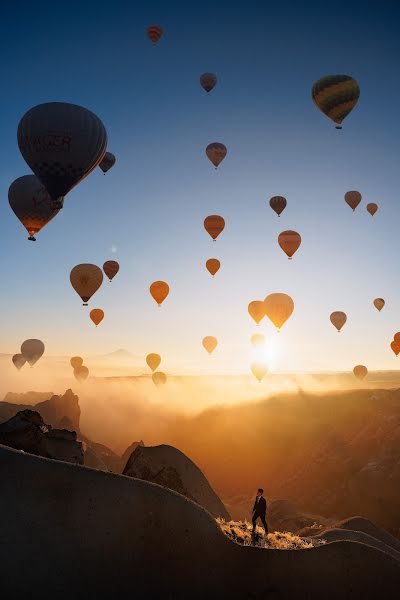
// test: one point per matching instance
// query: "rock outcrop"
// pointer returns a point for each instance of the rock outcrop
(64, 525)
(28, 432)
(170, 468)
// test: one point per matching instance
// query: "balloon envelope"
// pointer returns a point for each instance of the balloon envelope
(338, 319)
(278, 308)
(360, 371)
(214, 225)
(62, 143)
(259, 370)
(278, 204)
(216, 153)
(111, 268)
(76, 362)
(86, 280)
(19, 360)
(372, 208)
(159, 378)
(289, 241)
(257, 339)
(210, 343)
(397, 338)
(336, 96)
(208, 81)
(395, 347)
(32, 350)
(97, 315)
(154, 33)
(107, 162)
(353, 199)
(379, 303)
(153, 361)
(31, 203)
(256, 310)
(159, 291)
(81, 373)
(213, 265)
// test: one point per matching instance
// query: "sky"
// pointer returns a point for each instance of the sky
(148, 211)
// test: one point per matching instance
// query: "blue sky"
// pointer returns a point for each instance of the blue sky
(151, 206)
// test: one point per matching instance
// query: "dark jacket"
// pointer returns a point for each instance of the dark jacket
(260, 507)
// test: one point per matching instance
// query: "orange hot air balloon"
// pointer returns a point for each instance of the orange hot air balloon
(81, 373)
(353, 199)
(208, 81)
(338, 319)
(154, 33)
(395, 347)
(214, 225)
(159, 291)
(360, 372)
(159, 378)
(290, 242)
(259, 370)
(397, 338)
(18, 361)
(153, 361)
(213, 266)
(257, 339)
(216, 153)
(86, 280)
(210, 343)
(76, 362)
(111, 268)
(278, 204)
(97, 315)
(372, 208)
(278, 308)
(256, 310)
(379, 303)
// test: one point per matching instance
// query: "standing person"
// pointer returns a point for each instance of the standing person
(259, 510)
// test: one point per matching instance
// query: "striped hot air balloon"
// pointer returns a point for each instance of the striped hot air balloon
(336, 96)
(154, 33)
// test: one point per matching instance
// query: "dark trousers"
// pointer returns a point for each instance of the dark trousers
(263, 521)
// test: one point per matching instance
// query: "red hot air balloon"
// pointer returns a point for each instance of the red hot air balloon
(111, 268)
(154, 33)
(216, 153)
(208, 81)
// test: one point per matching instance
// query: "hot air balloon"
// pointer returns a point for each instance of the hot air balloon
(86, 280)
(31, 203)
(76, 362)
(154, 33)
(216, 153)
(159, 291)
(210, 343)
(372, 208)
(278, 308)
(111, 268)
(19, 360)
(208, 81)
(97, 315)
(213, 266)
(290, 242)
(81, 373)
(397, 338)
(338, 319)
(257, 339)
(159, 378)
(256, 310)
(360, 372)
(336, 96)
(62, 143)
(107, 162)
(153, 361)
(278, 204)
(353, 199)
(379, 303)
(214, 225)
(32, 350)
(395, 347)
(259, 370)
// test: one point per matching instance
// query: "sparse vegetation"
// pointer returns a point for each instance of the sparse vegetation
(241, 533)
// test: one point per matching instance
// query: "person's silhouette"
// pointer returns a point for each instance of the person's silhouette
(259, 510)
